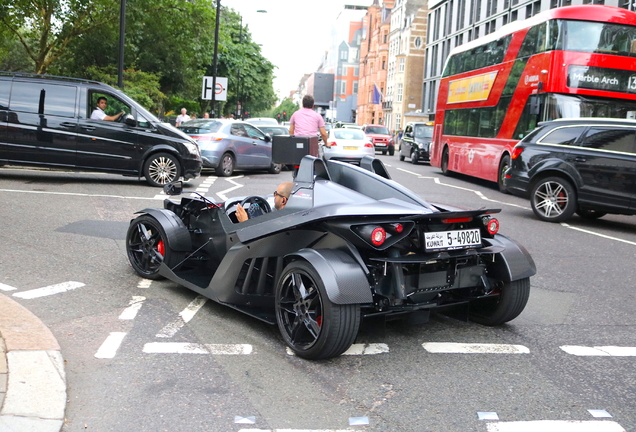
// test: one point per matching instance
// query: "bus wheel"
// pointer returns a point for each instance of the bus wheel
(445, 170)
(503, 167)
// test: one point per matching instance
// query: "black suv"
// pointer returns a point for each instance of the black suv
(585, 165)
(46, 121)
(416, 141)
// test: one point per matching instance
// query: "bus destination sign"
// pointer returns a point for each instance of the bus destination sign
(596, 78)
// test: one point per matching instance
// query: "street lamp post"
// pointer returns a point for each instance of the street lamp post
(214, 61)
(122, 32)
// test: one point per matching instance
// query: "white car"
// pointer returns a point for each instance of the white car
(348, 145)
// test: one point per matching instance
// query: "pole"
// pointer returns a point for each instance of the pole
(122, 32)
(238, 84)
(214, 62)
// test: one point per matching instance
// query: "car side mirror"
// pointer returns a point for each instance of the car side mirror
(174, 188)
(268, 138)
(130, 120)
(408, 135)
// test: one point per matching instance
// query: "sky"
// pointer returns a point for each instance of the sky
(294, 34)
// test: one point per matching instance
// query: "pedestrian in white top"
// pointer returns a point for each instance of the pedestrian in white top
(183, 117)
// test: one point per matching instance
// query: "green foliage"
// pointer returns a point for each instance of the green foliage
(175, 103)
(171, 40)
(286, 106)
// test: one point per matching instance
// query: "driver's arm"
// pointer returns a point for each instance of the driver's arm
(114, 117)
(241, 214)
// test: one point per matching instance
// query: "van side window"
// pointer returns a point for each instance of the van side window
(611, 139)
(115, 105)
(31, 97)
(5, 90)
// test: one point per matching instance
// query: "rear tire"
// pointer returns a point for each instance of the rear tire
(402, 156)
(391, 151)
(275, 168)
(502, 308)
(444, 164)
(503, 167)
(553, 199)
(311, 325)
(225, 168)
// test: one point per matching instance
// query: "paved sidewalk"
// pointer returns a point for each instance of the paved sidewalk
(32, 378)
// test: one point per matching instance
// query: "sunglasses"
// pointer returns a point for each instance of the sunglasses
(280, 195)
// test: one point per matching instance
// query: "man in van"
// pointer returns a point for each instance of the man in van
(99, 114)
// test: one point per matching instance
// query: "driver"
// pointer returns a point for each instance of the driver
(99, 114)
(281, 196)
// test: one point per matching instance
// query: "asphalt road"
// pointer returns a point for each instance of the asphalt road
(115, 328)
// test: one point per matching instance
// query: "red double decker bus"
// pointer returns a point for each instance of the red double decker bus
(574, 61)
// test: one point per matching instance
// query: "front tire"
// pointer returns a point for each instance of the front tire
(311, 325)
(391, 151)
(553, 199)
(275, 168)
(225, 168)
(161, 169)
(147, 247)
(505, 307)
(414, 157)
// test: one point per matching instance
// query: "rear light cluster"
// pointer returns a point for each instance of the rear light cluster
(331, 144)
(491, 224)
(516, 152)
(368, 145)
(377, 235)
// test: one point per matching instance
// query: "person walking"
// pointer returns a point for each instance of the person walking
(307, 122)
(183, 117)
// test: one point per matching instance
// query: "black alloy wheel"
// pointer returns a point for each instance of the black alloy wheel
(506, 306)
(503, 167)
(311, 325)
(553, 199)
(161, 169)
(147, 247)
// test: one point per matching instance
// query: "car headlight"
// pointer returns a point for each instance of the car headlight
(193, 149)
(423, 146)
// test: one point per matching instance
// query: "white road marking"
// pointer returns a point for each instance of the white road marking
(111, 345)
(473, 348)
(184, 317)
(4, 287)
(487, 415)
(608, 351)
(222, 193)
(556, 426)
(131, 311)
(598, 234)
(599, 413)
(195, 348)
(244, 419)
(359, 349)
(49, 290)
(297, 430)
(144, 283)
(77, 194)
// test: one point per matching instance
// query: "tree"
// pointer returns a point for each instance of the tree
(45, 27)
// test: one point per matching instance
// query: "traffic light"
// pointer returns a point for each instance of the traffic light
(278, 115)
(284, 115)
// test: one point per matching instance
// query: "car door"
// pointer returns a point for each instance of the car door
(606, 161)
(406, 143)
(106, 145)
(261, 150)
(42, 123)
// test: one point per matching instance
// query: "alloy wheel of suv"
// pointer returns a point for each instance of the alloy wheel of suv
(553, 199)
(161, 169)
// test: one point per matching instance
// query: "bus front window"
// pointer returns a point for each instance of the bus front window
(604, 38)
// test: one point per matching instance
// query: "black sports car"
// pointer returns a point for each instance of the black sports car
(350, 244)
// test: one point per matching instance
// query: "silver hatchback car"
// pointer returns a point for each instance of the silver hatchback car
(228, 145)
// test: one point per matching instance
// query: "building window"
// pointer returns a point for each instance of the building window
(343, 87)
(383, 64)
(461, 6)
(401, 65)
(398, 121)
(418, 42)
(449, 18)
(355, 87)
(343, 55)
(399, 92)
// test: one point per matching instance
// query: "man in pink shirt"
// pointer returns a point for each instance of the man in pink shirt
(306, 121)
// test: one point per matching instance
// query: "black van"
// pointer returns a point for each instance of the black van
(46, 121)
(585, 165)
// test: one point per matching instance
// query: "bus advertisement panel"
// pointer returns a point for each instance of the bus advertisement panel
(568, 62)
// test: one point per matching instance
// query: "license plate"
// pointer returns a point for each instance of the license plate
(350, 148)
(379, 144)
(452, 239)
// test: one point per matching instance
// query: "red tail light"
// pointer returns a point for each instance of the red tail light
(492, 226)
(516, 152)
(398, 227)
(378, 235)
(368, 145)
(331, 144)
(457, 220)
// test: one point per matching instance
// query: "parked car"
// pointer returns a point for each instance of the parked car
(416, 141)
(350, 243)
(380, 138)
(345, 125)
(274, 130)
(585, 166)
(47, 123)
(262, 121)
(228, 145)
(348, 145)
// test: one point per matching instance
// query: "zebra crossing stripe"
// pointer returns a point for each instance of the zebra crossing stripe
(195, 348)
(473, 348)
(556, 426)
(49, 290)
(184, 317)
(111, 345)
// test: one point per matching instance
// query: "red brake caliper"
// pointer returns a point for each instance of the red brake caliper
(161, 248)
